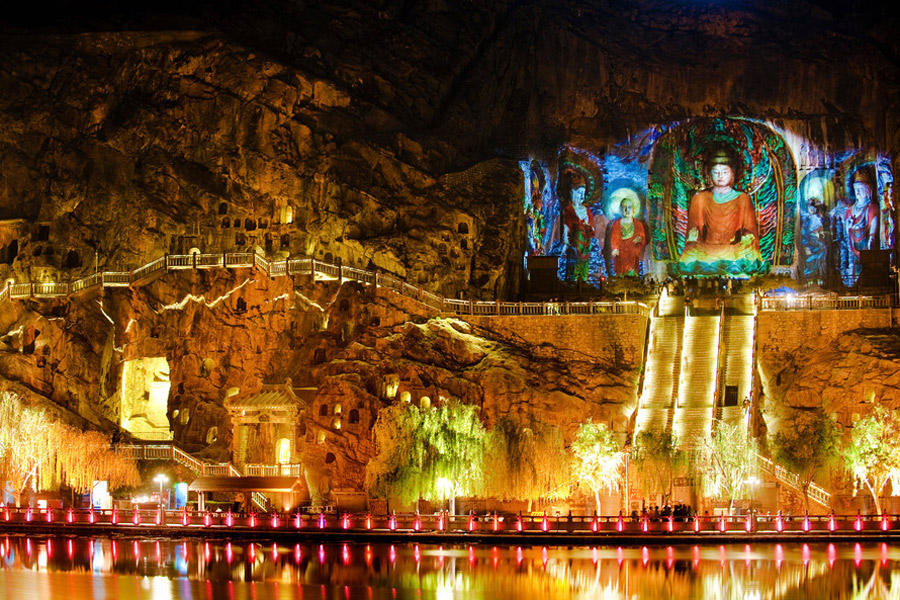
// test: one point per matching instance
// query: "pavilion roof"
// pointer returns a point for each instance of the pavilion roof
(273, 397)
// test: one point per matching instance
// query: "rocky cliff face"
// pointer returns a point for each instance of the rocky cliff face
(184, 140)
(383, 135)
(845, 375)
(216, 332)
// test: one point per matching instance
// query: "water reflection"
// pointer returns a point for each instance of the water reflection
(125, 568)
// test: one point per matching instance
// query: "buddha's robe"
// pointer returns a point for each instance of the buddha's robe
(622, 237)
(718, 219)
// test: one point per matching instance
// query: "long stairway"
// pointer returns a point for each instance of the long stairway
(737, 363)
(661, 379)
(697, 386)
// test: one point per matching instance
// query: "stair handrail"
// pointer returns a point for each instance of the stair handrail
(721, 364)
(443, 305)
(187, 460)
(814, 491)
(646, 353)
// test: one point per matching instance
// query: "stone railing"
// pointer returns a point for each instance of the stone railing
(816, 493)
(319, 270)
(287, 470)
(823, 302)
(173, 452)
(311, 522)
(152, 436)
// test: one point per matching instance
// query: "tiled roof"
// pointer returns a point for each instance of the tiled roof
(273, 397)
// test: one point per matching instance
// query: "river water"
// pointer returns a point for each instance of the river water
(126, 568)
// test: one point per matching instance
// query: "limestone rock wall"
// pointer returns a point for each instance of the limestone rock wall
(180, 140)
(361, 347)
(842, 360)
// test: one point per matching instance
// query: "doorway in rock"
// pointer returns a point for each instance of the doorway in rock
(144, 397)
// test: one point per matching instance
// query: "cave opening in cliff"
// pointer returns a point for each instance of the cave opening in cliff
(144, 398)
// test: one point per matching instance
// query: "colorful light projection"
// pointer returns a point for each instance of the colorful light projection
(710, 198)
(846, 206)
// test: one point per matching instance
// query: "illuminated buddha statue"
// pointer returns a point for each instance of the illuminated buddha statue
(861, 222)
(722, 235)
(627, 236)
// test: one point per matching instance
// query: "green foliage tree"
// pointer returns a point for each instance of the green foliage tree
(525, 461)
(807, 446)
(655, 458)
(598, 459)
(432, 453)
(873, 453)
(726, 461)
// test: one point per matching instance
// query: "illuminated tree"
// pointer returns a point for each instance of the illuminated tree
(726, 461)
(525, 461)
(26, 444)
(807, 446)
(873, 454)
(87, 456)
(655, 457)
(598, 459)
(431, 453)
(30, 442)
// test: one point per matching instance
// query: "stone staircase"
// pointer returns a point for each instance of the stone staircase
(661, 379)
(171, 451)
(737, 365)
(697, 386)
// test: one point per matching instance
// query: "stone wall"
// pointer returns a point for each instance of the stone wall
(844, 361)
(784, 333)
(616, 341)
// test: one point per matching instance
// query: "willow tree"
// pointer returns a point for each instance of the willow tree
(655, 457)
(32, 443)
(873, 454)
(726, 461)
(433, 453)
(27, 442)
(598, 459)
(525, 461)
(84, 457)
(807, 446)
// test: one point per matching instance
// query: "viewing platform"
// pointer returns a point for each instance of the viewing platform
(325, 271)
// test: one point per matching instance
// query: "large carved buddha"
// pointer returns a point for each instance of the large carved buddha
(722, 234)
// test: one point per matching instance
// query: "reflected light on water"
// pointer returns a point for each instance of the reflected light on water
(205, 570)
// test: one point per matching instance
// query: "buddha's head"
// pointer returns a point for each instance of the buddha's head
(578, 189)
(862, 187)
(626, 201)
(723, 168)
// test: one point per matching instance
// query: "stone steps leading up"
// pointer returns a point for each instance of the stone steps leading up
(692, 425)
(661, 378)
(699, 361)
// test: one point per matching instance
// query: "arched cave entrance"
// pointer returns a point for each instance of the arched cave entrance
(10, 253)
(145, 398)
(283, 451)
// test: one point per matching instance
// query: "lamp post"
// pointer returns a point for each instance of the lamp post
(161, 480)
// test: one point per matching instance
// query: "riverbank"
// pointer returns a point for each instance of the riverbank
(480, 537)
